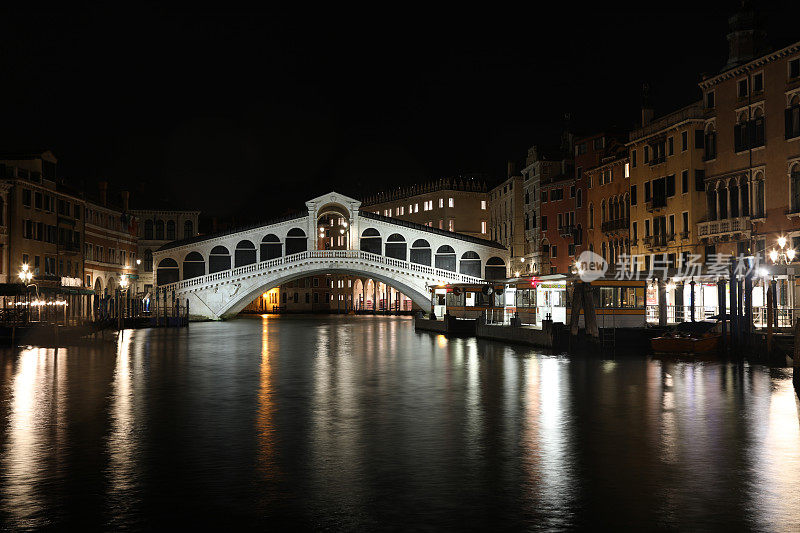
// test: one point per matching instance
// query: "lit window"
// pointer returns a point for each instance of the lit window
(483, 205)
(416, 208)
(450, 202)
(627, 170)
(441, 202)
(450, 225)
(483, 227)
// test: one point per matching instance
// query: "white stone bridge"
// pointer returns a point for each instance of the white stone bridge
(220, 274)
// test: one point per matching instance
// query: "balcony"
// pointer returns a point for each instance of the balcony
(726, 229)
(566, 231)
(656, 241)
(654, 204)
(656, 160)
(615, 226)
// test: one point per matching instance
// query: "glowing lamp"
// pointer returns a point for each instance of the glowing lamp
(790, 254)
(782, 241)
(774, 256)
(763, 272)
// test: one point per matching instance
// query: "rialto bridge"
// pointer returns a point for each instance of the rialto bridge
(220, 274)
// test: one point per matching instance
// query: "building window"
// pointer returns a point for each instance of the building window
(591, 216)
(483, 205)
(578, 198)
(741, 88)
(794, 181)
(26, 197)
(148, 230)
(758, 82)
(670, 146)
(451, 225)
(483, 227)
(633, 194)
(684, 182)
(627, 170)
(792, 118)
(451, 202)
(633, 158)
(710, 100)
(554, 251)
(684, 141)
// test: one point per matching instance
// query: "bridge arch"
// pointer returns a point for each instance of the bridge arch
(371, 241)
(244, 254)
(470, 264)
(271, 247)
(296, 241)
(240, 300)
(167, 271)
(495, 268)
(421, 252)
(194, 265)
(396, 247)
(218, 260)
(446, 258)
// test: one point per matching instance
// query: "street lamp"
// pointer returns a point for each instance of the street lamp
(25, 275)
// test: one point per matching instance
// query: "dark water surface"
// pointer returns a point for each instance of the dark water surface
(361, 423)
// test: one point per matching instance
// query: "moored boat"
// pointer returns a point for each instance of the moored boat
(689, 338)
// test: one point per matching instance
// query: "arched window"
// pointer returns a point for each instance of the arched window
(194, 265)
(711, 203)
(159, 230)
(148, 260)
(421, 252)
(591, 216)
(733, 191)
(470, 264)
(188, 229)
(170, 230)
(603, 252)
(371, 241)
(710, 142)
(578, 198)
(495, 268)
(759, 208)
(245, 253)
(603, 211)
(722, 200)
(296, 241)
(792, 118)
(445, 258)
(396, 246)
(219, 259)
(148, 230)
(271, 247)
(794, 181)
(167, 271)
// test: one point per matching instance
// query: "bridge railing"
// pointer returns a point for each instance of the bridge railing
(443, 275)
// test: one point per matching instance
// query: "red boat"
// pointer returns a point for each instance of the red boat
(689, 338)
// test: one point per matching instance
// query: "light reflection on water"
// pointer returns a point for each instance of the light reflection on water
(359, 422)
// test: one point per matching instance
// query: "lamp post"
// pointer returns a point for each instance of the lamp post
(123, 290)
(25, 275)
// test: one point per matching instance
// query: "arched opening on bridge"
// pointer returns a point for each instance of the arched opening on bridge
(296, 241)
(194, 265)
(271, 247)
(495, 268)
(358, 295)
(166, 271)
(332, 228)
(421, 252)
(470, 264)
(396, 246)
(219, 259)
(245, 253)
(371, 241)
(446, 258)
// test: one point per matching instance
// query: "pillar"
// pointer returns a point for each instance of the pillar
(691, 299)
(662, 303)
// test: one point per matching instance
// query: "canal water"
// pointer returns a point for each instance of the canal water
(349, 423)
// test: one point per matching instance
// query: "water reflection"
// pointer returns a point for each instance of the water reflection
(360, 423)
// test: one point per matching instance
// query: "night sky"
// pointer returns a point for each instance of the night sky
(250, 113)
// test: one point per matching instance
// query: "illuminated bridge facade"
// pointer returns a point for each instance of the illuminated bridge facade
(218, 275)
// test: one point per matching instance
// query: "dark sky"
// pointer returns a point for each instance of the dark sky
(251, 112)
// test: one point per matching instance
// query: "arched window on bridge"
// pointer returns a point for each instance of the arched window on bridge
(495, 268)
(296, 241)
(167, 271)
(271, 247)
(159, 230)
(194, 266)
(148, 230)
(245, 253)
(396, 246)
(170, 230)
(188, 229)
(219, 259)
(446, 258)
(371, 241)
(470, 264)
(421, 252)
(148, 260)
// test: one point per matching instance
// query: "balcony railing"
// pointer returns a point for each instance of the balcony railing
(657, 160)
(566, 231)
(656, 241)
(654, 204)
(725, 227)
(612, 226)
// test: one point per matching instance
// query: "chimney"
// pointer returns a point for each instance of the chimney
(126, 200)
(745, 39)
(511, 169)
(647, 108)
(103, 185)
